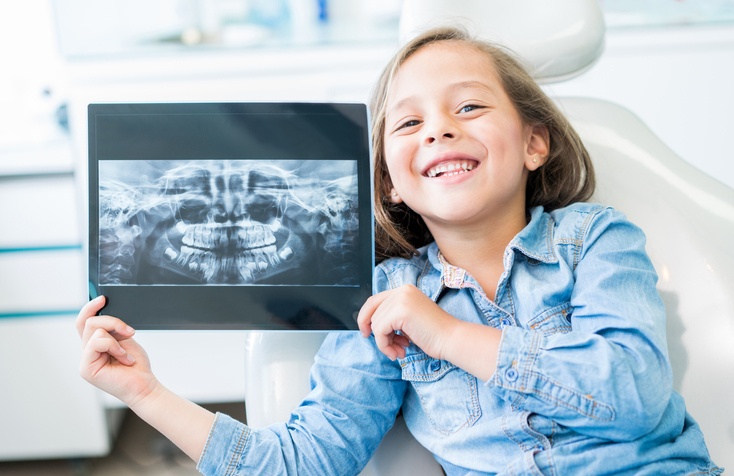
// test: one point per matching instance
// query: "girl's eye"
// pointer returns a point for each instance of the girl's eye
(469, 108)
(409, 124)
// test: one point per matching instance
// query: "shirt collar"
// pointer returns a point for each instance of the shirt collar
(534, 241)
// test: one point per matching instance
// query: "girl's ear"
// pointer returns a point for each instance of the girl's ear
(394, 196)
(538, 147)
(389, 190)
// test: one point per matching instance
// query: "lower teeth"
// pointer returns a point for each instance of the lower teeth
(210, 266)
(449, 174)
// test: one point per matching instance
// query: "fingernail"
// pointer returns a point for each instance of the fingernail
(130, 359)
(130, 330)
(97, 299)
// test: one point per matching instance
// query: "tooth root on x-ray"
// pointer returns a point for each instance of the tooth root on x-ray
(227, 222)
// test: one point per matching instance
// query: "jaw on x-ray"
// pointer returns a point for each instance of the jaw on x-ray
(228, 222)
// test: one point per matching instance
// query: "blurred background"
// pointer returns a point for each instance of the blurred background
(671, 62)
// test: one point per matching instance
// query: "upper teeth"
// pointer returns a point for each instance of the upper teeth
(452, 168)
(206, 237)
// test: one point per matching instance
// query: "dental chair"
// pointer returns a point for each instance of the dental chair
(688, 218)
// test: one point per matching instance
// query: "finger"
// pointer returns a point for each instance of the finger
(110, 324)
(364, 319)
(399, 350)
(398, 345)
(90, 309)
(384, 344)
(103, 343)
(394, 351)
(401, 340)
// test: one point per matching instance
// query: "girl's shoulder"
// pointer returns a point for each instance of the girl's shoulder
(578, 212)
(578, 220)
(575, 229)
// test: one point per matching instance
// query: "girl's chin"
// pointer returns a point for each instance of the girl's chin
(452, 218)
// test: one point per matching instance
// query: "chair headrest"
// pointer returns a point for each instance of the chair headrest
(557, 39)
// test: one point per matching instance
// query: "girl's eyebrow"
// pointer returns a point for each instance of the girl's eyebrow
(472, 84)
(398, 105)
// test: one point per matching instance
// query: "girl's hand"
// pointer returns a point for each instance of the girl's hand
(111, 359)
(415, 315)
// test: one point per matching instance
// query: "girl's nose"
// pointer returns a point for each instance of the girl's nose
(442, 129)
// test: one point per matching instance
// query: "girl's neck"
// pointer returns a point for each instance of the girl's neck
(479, 249)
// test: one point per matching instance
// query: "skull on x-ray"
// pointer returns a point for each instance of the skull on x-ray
(234, 222)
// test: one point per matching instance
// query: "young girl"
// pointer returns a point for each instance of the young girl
(518, 329)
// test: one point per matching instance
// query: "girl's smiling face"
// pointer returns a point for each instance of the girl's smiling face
(455, 147)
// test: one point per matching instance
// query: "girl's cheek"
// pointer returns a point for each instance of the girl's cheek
(397, 152)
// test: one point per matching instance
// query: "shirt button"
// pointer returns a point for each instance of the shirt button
(435, 366)
(511, 374)
(504, 322)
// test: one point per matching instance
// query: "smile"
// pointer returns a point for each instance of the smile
(450, 169)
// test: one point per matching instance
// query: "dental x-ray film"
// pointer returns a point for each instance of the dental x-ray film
(230, 216)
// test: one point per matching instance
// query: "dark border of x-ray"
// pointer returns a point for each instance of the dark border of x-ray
(196, 131)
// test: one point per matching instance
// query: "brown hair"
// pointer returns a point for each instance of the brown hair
(566, 176)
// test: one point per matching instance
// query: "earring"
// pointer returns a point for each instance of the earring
(535, 161)
(395, 194)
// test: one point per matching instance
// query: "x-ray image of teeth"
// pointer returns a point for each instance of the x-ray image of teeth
(236, 222)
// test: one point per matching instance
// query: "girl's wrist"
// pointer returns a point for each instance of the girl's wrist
(147, 397)
(473, 348)
(183, 422)
(452, 340)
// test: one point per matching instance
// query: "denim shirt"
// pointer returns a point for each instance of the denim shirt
(583, 384)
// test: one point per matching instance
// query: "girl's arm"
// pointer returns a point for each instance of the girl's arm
(117, 364)
(605, 371)
(183, 422)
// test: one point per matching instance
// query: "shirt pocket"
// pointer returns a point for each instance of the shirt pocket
(553, 321)
(447, 393)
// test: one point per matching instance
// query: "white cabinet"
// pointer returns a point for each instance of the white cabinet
(46, 409)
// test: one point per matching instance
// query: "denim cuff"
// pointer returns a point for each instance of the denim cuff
(518, 350)
(519, 371)
(224, 447)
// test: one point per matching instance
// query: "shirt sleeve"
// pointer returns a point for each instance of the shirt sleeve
(610, 375)
(356, 394)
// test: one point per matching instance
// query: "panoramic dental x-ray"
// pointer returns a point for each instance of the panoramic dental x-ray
(228, 222)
